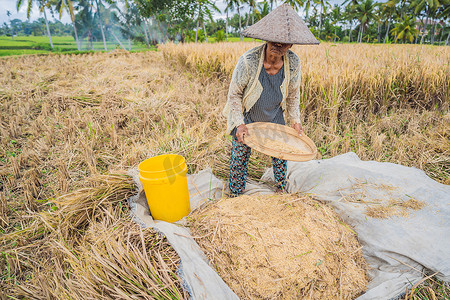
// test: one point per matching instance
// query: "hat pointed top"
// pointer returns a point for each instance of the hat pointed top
(282, 25)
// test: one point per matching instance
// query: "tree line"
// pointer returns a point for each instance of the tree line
(16, 27)
(155, 21)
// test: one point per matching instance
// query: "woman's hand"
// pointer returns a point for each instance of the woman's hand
(298, 128)
(240, 132)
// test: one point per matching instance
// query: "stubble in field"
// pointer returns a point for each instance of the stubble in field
(67, 119)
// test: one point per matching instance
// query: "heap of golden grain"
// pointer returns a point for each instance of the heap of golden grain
(281, 246)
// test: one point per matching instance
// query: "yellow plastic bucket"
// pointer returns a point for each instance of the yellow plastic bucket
(165, 185)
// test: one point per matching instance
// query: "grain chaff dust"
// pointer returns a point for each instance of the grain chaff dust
(281, 246)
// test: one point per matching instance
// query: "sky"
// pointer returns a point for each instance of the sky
(11, 6)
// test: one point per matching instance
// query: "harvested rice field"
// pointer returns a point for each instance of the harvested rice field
(72, 125)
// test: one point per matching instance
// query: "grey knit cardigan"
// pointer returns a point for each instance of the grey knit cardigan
(245, 88)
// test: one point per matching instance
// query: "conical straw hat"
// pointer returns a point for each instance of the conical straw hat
(282, 25)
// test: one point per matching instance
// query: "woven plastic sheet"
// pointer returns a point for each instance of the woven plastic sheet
(199, 279)
(398, 249)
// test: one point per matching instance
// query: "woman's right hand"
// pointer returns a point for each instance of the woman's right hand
(240, 132)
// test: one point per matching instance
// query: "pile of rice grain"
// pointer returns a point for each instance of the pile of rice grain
(281, 246)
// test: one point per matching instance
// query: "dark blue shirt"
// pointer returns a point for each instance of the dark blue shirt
(267, 108)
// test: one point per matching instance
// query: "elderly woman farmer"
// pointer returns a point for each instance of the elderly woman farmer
(264, 87)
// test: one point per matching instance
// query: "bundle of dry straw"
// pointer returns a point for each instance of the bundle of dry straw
(87, 247)
(281, 246)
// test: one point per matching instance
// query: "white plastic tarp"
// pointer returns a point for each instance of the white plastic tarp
(397, 249)
(199, 279)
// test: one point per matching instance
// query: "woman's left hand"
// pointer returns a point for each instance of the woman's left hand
(298, 128)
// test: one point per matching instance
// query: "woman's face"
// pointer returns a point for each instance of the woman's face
(278, 49)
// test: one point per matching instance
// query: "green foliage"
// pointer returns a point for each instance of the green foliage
(213, 27)
(43, 46)
(153, 21)
(220, 36)
(18, 27)
(405, 30)
(181, 14)
(39, 44)
(190, 36)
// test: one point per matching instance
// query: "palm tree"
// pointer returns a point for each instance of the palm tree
(271, 3)
(100, 21)
(365, 12)
(388, 10)
(323, 10)
(336, 17)
(439, 13)
(227, 9)
(42, 5)
(204, 8)
(379, 22)
(429, 6)
(62, 5)
(263, 10)
(296, 4)
(253, 9)
(445, 15)
(146, 11)
(307, 4)
(100, 8)
(8, 13)
(349, 14)
(232, 5)
(405, 29)
(85, 22)
(151, 9)
(236, 4)
(127, 18)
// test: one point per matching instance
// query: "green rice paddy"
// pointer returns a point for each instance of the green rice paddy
(20, 45)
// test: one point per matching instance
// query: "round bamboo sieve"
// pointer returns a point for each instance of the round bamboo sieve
(280, 141)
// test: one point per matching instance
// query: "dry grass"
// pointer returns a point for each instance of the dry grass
(67, 118)
(394, 208)
(384, 102)
(387, 203)
(344, 79)
(429, 288)
(87, 247)
(281, 247)
(116, 260)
